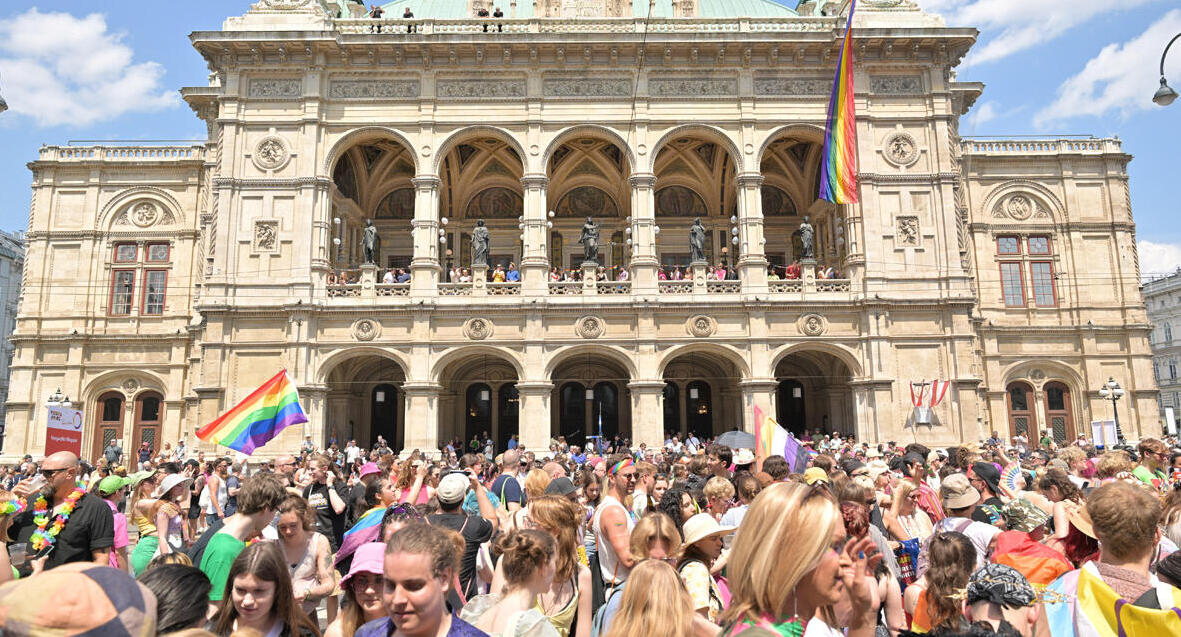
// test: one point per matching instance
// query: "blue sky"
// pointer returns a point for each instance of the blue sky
(82, 70)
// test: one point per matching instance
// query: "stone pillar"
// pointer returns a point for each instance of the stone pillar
(421, 421)
(424, 267)
(757, 392)
(534, 415)
(368, 280)
(535, 251)
(697, 268)
(644, 261)
(808, 274)
(590, 277)
(647, 412)
(479, 279)
(752, 257)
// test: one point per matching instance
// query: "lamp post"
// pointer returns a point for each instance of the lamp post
(1113, 392)
(56, 399)
(336, 240)
(1165, 95)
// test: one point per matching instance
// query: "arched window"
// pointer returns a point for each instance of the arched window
(1021, 418)
(148, 414)
(1168, 333)
(109, 427)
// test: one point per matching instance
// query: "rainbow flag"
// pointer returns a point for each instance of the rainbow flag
(838, 161)
(771, 440)
(259, 418)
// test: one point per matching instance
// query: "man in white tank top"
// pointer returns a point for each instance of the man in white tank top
(613, 523)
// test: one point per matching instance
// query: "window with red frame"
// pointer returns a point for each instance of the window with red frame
(157, 252)
(122, 292)
(1041, 277)
(155, 285)
(1039, 245)
(1012, 285)
(126, 253)
(1008, 245)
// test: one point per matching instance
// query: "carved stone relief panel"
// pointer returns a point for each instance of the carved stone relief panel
(1019, 206)
(478, 328)
(812, 325)
(587, 87)
(274, 88)
(589, 327)
(701, 326)
(896, 84)
(464, 88)
(373, 89)
(692, 86)
(900, 149)
(271, 153)
(366, 329)
(266, 235)
(144, 214)
(788, 86)
(906, 232)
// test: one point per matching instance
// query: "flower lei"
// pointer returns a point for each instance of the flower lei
(43, 537)
(12, 507)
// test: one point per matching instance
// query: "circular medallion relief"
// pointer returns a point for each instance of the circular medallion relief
(130, 385)
(701, 326)
(478, 328)
(1019, 207)
(271, 153)
(901, 149)
(366, 329)
(1037, 374)
(589, 327)
(144, 214)
(812, 325)
(285, 5)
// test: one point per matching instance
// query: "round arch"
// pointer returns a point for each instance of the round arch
(445, 361)
(1047, 196)
(839, 352)
(807, 132)
(112, 381)
(1054, 371)
(335, 359)
(459, 136)
(159, 196)
(712, 133)
(364, 134)
(731, 355)
(613, 354)
(590, 130)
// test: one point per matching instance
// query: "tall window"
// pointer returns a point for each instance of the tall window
(122, 291)
(148, 265)
(154, 286)
(1013, 253)
(1041, 275)
(1172, 370)
(1012, 284)
(1168, 333)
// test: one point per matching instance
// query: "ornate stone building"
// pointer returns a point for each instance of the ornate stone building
(12, 264)
(1162, 296)
(166, 283)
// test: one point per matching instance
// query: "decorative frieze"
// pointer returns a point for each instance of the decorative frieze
(474, 88)
(587, 87)
(374, 89)
(896, 84)
(790, 86)
(692, 86)
(274, 88)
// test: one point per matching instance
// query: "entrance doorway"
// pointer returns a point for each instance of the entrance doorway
(365, 400)
(791, 409)
(384, 412)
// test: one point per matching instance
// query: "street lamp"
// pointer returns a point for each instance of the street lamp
(1165, 95)
(56, 399)
(1113, 392)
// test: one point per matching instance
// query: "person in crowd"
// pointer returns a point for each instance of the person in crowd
(216, 491)
(257, 503)
(679, 505)
(914, 468)
(655, 537)
(986, 478)
(613, 523)
(1154, 459)
(112, 489)
(718, 492)
(306, 552)
(506, 487)
(419, 566)
(905, 520)
(960, 500)
(59, 602)
(536, 481)
(931, 601)
(701, 549)
(362, 588)
(1075, 459)
(999, 595)
(643, 499)
(643, 611)
(140, 508)
(527, 561)
(260, 597)
(790, 565)
(1073, 535)
(326, 495)
(175, 587)
(411, 481)
(747, 488)
(568, 601)
(452, 490)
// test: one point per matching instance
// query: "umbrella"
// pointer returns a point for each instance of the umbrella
(737, 440)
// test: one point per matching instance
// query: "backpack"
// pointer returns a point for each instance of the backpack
(597, 627)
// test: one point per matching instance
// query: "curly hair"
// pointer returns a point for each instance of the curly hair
(523, 553)
(1058, 479)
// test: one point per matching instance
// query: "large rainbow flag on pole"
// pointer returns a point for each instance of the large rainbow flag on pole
(259, 418)
(838, 161)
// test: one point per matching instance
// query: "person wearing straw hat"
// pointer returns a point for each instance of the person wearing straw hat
(699, 552)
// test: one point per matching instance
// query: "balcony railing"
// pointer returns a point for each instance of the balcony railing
(564, 288)
(503, 289)
(614, 287)
(455, 289)
(191, 152)
(1047, 146)
(723, 287)
(430, 26)
(337, 291)
(675, 287)
(787, 286)
(393, 289)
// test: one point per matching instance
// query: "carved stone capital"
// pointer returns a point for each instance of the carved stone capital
(642, 180)
(426, 182)
(534, 181)
(752, 180)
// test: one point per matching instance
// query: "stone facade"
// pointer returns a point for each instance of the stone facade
(12, 263)
(211, 267)
(1163, 298)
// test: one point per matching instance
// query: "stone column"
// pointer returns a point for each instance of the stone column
(757, 392)
(534, 414)
(647, 412)
(752, 257)
(424, 267)
(421, 421)
(644, 261)
(535, 251)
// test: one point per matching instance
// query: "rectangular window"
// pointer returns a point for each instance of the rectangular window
(126, 253)
(157, 252)
(1039, 245)
(1172, 371)
(122, 291)
(155, 283)
(1008, 245)
(1012, 284)
(1041, 276)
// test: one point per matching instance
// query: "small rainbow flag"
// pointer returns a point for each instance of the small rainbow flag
(838, 161)
(259, 418)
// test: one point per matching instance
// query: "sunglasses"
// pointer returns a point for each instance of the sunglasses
(49, 473)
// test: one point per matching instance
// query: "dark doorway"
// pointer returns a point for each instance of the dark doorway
(699, 404)
(790, 408)
(605, 410)
(384, 422)
(479, 412)
(572, 413)
(672, 410)
(508, 411)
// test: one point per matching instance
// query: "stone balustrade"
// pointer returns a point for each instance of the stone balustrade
(193, 152)
(394, 25)
(1047, 146)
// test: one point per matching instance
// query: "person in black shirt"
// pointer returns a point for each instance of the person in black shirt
(87, 536)
(985, 477)
(475, 531)
(498, 14)
(327, 495)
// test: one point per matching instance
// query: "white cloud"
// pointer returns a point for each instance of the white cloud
(58, 69)
(1011, 26)
(981, 115)
(1121, 78)
(1158, 259)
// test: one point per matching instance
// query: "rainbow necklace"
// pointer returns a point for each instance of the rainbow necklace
(42, 536)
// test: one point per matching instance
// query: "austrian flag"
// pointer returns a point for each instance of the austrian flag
(921, 397)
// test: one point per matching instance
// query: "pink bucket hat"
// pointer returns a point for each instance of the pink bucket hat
(369, 558)
(369, 468)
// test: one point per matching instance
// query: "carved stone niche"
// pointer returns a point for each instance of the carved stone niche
(478, 328)
(590, 327)
(812, 325)
(271, 153)
(366, 329)
(266, 235)
(906, 231)
(701, 326)
(901, 149)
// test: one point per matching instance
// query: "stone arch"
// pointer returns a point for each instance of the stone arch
(457, 354)
(589, 130)
(364, 134)
(712, 133)
(809, 132)
(1051, 371)
(1047, 197)
(459, 136)
(335, 359)
(730, 354)
(113, 381)
(840, 352)
(161, 197)
(613, 354)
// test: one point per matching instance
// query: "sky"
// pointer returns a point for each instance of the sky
(84, 70)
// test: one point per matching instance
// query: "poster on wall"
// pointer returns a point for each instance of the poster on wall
(1170, 421)
(1103, 433)
(63, 431)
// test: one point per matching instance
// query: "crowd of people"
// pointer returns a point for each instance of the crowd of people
(691, 539)
(792, 272)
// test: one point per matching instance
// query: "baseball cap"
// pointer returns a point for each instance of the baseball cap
(111, 484)
(562, 486)
(814, 475)
(452, 488)
(957, 492)
(1023, 515)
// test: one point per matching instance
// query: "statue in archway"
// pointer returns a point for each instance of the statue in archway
(807, 238)
(697, 242)
(480, 239)
(369, 242)
(590, 241)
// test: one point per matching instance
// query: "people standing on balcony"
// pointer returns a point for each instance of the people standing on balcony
(403, 276)
(409, 15)
(498, 275)
(389, 277)
(677, 275)
(376, 13)
(482, 12)
(512, 275)
(497, 13)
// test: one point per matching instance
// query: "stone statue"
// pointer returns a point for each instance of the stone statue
(369, 242)
(696, 242)
(480, 238)
(807, 236)
(590, 241)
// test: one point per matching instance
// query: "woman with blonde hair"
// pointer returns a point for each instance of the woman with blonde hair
(654, 603)
(656, 537)
(527, 560)
(570, 595)
(534, 487)
(790, 565)
(905, 520)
